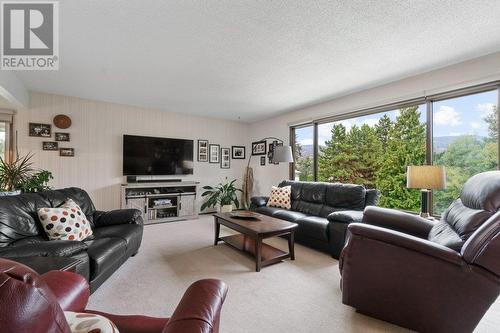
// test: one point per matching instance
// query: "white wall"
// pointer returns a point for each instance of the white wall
(13, 90)
(96, 135)
(469, 73)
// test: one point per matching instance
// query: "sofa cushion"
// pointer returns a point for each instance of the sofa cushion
(18, 217)
(130, 233)
(66, 222)
(89, 323)
(103, 253)
(349, 196)
(57, 197)
(313, 192)
(288, 215)
(280, 197)
(443, 234)
(346, 216)
(464, 220)
(44, 249)
(313, 227)
(372, 197)
(269, 211)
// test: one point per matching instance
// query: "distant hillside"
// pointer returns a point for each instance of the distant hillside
(441, 144)
(307, 150)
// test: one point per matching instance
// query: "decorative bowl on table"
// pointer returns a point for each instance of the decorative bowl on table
(244, 214)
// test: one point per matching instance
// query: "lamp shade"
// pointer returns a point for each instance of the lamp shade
(426, 177)
(283, 154)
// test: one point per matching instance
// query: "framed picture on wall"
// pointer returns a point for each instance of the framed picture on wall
(49, 145)
(259, 148)
(225, 158)
(67, 152)
(61, 136)
(213, 153)
(270, 153)
(202, 150)
(262, 160)
(238, 152)
(40, 130)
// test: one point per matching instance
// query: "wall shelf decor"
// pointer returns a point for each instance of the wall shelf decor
(49, 145)
(214, 153)
(67, 152)
(62, 136)
(238, 152)
(40, 130)
(202, 150)
(62, 121)
(259, 147)
(225, 160)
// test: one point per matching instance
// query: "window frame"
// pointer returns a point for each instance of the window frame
(427, 100)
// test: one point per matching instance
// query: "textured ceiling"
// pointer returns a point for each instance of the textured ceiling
(250, 60)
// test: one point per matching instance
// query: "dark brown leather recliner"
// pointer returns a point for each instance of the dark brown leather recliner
(429, 277)
(32, 303)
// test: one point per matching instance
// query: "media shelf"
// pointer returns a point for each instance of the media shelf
(161, 202)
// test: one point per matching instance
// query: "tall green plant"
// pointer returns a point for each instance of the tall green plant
(222, 194)
(20, 175)
(15, 173)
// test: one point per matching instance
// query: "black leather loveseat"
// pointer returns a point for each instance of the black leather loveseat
(117, 234)
(322, 210)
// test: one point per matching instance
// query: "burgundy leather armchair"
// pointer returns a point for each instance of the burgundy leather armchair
(429, 277)
(35, 304)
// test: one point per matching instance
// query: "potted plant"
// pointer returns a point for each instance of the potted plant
(19, 175)
(222, 194)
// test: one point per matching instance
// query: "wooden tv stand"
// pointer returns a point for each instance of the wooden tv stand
(162, 201)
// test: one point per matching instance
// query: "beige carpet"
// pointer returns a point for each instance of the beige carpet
(300, 296)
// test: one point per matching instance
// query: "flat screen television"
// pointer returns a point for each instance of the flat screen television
(143, 155)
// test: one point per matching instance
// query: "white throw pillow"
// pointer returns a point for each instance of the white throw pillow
(89, 323)
(280, 197)
(66, 222)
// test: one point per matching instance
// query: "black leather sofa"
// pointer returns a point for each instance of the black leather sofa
(322, 210)
(117, 234)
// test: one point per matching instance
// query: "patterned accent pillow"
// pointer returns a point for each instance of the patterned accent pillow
(89, 323)
(66, 222)
(280, 197)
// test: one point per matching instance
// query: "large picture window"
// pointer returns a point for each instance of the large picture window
(465, 141)
(374, 148)
(304, 153)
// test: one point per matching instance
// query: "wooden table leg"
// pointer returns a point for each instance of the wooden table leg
(258, 253)
(291, 244)
(217, 230)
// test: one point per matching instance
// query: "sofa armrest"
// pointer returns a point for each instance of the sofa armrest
(71, 290)
(199, 308)
(260, 201)
(372, 197)
(346, 216)
(55, 248)
(405, 241)
(397, 220)
(117, 216)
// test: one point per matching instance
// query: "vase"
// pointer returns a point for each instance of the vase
(226, 208)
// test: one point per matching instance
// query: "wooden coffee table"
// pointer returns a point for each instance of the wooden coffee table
(252, 232)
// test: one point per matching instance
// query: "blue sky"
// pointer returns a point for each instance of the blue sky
(452, 117)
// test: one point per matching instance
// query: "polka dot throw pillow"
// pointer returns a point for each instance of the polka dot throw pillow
(89, 323)
(66, 222)
(280, 197)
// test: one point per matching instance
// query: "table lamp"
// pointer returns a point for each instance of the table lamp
(426, 178)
